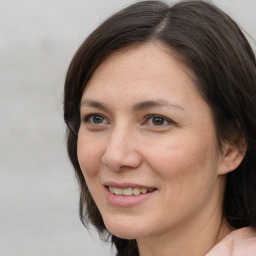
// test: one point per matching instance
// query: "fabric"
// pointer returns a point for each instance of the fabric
(241, 242)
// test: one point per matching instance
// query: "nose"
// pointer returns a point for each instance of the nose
(122, 151)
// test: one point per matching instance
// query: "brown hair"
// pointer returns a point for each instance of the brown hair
(213, 47)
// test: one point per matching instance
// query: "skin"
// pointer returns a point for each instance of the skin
(178, 155)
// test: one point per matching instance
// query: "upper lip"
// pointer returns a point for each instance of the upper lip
(126, 185)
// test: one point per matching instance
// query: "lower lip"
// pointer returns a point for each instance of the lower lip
(127, 201)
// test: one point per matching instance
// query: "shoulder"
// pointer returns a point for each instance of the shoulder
(238, 243)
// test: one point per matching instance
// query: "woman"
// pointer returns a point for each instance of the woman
(161, 110)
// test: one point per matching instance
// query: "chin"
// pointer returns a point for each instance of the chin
(124, 234)
(124, 229)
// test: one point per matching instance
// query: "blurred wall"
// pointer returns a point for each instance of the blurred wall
(39, 195)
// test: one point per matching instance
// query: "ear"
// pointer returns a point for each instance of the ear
(232, 156)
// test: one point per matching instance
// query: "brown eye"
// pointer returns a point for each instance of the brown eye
(95, 119)
(158, 120)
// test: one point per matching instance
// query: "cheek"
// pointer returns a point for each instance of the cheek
(89, 158)
(188, 178)
(89, 154)
(185, 162)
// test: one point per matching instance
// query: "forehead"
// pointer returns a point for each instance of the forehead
(144, 67)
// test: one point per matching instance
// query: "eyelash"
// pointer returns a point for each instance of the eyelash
(166, 121)
(87, 118)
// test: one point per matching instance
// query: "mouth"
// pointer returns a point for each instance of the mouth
(128, 194)
(129, 191)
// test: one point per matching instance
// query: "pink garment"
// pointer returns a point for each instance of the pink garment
(241, 242)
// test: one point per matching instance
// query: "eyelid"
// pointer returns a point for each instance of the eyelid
(88, 116)
(148, 117)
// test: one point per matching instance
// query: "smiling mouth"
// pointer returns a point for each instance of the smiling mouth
(129, 191)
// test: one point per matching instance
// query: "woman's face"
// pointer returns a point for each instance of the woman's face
(147, 145)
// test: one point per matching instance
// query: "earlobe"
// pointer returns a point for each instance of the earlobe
(232, 156)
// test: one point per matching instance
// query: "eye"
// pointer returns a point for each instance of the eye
(95, 119)
(157, 120)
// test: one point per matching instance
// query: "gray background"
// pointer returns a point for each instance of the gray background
(38, 191)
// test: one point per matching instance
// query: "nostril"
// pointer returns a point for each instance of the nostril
(121, 151)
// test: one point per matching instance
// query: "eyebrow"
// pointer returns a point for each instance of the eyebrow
(94, 104)
(137, 107)
(155, 103)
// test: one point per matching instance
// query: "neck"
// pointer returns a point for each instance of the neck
(195, 237)
(184, 244)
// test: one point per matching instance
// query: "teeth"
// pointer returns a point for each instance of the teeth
(129, 191)
(143, 190)
(118, 191)
(136, 191)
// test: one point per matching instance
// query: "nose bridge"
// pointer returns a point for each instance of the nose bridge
(121, 148)
(119, 136)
